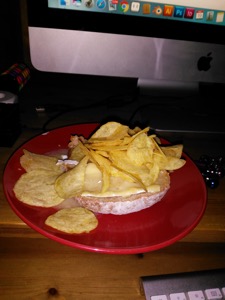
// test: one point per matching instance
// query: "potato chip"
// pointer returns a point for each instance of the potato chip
(104, 165)
(98, 143)
(134, 130)
(174, 150)
(106, 147)
(159, 159)
(140, 150)
(112, 130)
(77, 152)
(121, 161)
(32, 161)
(145, 130)
(153, 173)
(168, 163)
(174, 163)
(73, 220)
(37, 188)
(102, 153)
(71, 183)
(117, 172)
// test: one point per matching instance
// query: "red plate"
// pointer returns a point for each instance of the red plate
(159, 226)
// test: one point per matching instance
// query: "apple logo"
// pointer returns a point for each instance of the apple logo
(204, 62)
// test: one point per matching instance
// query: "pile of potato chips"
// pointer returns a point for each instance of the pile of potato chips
(118, 151)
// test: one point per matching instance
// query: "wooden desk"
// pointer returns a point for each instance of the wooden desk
(34, 267)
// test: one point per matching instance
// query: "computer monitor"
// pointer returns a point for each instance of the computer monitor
(181, 41)
(170, 47)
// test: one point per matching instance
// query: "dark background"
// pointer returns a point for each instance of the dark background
(11, 49)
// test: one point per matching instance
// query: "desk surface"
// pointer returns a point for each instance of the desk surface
(33, 267)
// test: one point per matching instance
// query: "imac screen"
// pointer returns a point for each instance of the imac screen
(169, 47)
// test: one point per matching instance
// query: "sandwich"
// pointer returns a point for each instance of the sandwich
(118, 170)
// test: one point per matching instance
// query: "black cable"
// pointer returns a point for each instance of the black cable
(111, 101)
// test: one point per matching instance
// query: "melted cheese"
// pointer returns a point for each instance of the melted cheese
(118, 186)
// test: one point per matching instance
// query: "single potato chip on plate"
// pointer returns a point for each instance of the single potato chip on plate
(32, 161)
(73, 220)
(37, 188)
